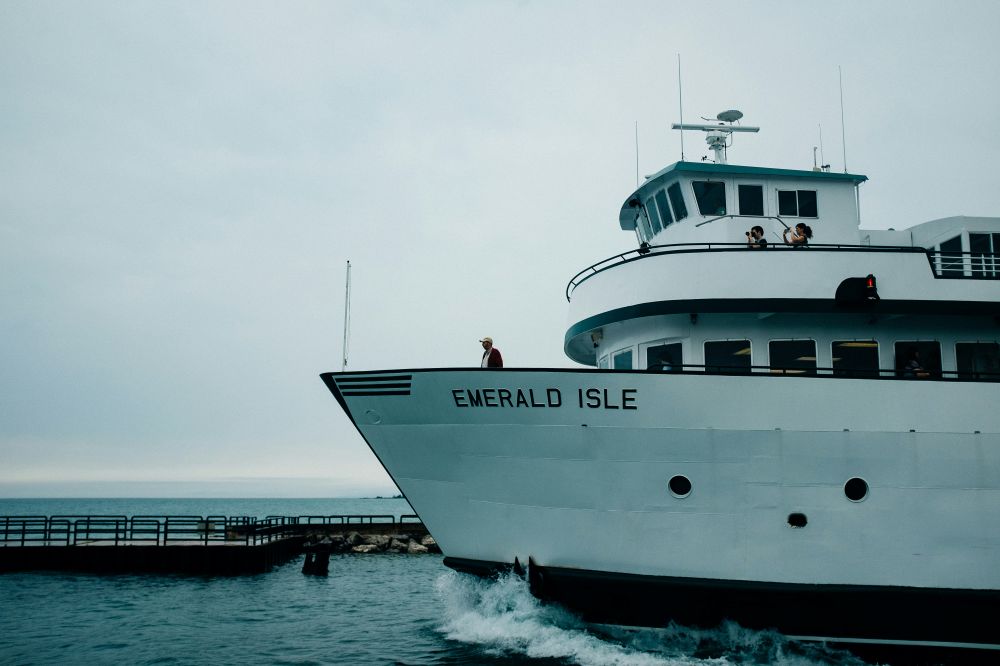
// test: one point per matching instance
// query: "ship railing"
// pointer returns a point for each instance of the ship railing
(965, 265)
(800, 371)
(645, 251)
(79, 530)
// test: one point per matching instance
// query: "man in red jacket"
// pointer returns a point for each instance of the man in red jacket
(491, 355)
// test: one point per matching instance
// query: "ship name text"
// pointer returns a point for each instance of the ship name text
(585, 398)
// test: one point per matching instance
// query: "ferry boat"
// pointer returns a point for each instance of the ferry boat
(799, 437)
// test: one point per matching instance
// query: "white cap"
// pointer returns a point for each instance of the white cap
(487, 339)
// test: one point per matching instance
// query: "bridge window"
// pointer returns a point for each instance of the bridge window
(622, 360)
(677, 200)
(978, 360)
(985, 250)
(664, 358)
(751, 199)
(797, 203)
(855, 358)
(661, 203)
(727, 356)
(711, 197)
(792, 357)
(651, 215)
(918, 358)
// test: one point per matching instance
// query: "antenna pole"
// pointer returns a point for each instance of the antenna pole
(822, 157)
(347, 316)
(637, 154)
(843, 134)
(680, 102)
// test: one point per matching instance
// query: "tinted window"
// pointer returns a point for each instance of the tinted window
(751, 199)
(951, 256)
(727, 356)
(855, 358)
(918, 358)
(985, 259)
(661, 203)
(793, 357)
(978, 359)
(807, 203)
(788, 203)
(623, 360)
(654, 219)
(711, 197)
(677, 201)
(664, 358)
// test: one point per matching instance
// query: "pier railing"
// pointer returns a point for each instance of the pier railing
(140, 530)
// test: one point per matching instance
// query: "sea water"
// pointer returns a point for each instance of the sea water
(370, 609)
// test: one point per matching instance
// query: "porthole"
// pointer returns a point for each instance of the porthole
(856, 489)
(797, 520)
(680, 486)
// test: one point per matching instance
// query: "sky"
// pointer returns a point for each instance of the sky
(182, 184)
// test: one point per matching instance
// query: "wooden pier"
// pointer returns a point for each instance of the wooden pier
(201, 545)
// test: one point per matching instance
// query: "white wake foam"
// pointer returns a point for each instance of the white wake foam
(501, 617)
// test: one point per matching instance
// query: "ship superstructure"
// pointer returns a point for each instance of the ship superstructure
(800, 437)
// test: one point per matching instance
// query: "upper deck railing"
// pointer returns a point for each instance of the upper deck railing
(944, 265)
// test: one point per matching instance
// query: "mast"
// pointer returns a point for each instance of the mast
(347, 316)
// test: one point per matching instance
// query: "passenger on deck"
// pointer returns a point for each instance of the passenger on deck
(913, 367)
(800, 235)
(755, 238)
(491, 355)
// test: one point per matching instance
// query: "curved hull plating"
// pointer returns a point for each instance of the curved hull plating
(571, 469)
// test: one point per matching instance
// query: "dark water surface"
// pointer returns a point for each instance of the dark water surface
(371, 609)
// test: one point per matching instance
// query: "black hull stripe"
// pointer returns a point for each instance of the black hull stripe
(369, 378)
(352, 393)
(360, 387)
(883, 614)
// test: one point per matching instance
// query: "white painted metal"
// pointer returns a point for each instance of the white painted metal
(586, 488)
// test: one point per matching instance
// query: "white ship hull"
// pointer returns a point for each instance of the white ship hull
(570, 469)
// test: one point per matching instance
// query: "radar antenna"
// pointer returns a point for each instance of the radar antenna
(717, 134)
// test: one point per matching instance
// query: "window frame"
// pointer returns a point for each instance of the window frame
(739, 201)
(798, 205)
(850, 372)
(732, 368)
(662, 342)
(807, 372)
(613, 356)
(725, 197)
(972, 374)
(675, 188)
(899, 369)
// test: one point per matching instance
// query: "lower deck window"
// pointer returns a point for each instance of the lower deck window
(978, 360)
(727, 356)
(664, 358)
(793, 357)
(918, 358)
(622, 360)
(855, 358)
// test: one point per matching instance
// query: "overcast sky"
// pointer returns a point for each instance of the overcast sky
(181, 185)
